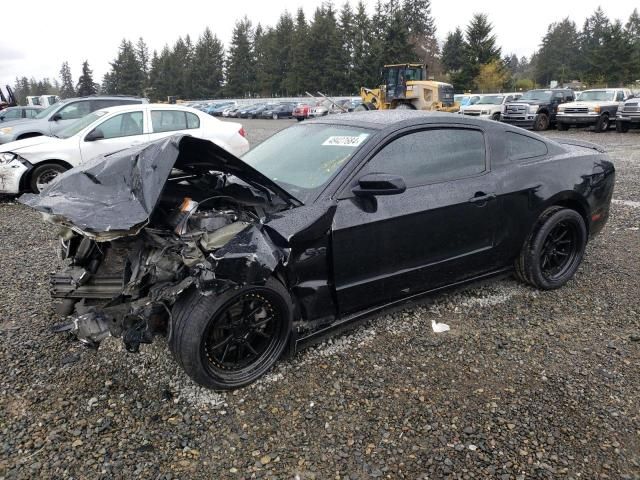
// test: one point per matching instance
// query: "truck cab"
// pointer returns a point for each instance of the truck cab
(537, 109)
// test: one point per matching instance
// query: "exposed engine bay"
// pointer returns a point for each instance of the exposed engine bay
(126, 286)
(183, 219)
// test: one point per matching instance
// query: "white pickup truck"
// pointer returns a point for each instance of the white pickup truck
(490, 105)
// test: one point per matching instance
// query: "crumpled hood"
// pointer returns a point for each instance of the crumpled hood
(117, 193)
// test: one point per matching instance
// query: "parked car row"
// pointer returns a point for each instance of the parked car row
(34, 152)
(541, 109)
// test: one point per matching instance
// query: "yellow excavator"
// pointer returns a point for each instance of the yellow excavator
(406, 86)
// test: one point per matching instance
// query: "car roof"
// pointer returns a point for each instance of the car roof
(380, 119)
(138, 106)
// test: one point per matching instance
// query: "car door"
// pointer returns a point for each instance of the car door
(167, 122)
(439, 231)
(117, 132)
(69, 113)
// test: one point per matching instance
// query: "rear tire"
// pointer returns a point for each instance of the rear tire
(225, 341)
(554, 250)
(404, 106)
(563, 127)
(44, 174)
(541, 123)
(602, 125)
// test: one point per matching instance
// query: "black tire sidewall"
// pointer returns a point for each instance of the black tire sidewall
(600, 124)
(541, 122)
(192, 314)
(535, 248)
(622, 127)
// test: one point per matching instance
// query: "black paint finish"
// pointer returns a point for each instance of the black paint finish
(343, 255)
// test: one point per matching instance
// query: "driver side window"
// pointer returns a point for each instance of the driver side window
(432, 156)
(620, 96)
(123, 125)
(74, 111)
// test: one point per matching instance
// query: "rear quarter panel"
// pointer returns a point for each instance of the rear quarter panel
(577, 177)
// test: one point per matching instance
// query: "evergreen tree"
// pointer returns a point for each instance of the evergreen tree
(142, 54)
(479, 49)
(240, 62)
(347, 34)
(422, 34)
(621, 65)
(86, 85)
(593, 53)
(481, 45)
(283, 38)
(365, 71)
(108, 84)
(632, 29)
(126, 73)
(208, 66)
(557, 54)
(66, 88)
(299, 77)
(453, 51)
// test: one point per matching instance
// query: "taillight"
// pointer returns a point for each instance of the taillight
(242, 132)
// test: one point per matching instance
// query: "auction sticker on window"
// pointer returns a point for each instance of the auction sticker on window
(345, 140)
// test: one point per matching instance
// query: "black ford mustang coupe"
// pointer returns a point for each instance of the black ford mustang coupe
(318, 227)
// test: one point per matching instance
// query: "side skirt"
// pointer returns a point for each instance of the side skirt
(298, 343)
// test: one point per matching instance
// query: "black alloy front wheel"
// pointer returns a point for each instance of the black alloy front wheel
(228, 341)
(553, 252)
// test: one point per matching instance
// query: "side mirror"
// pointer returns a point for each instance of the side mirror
(56, 117)
(379, 184)
(93, 135)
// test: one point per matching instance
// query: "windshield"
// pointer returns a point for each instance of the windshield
(45, 113)
(597, 96)
(490, 100)
(81, 124)
(302, 159)
(537, 95)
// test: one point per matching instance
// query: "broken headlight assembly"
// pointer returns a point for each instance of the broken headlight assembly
(7, 157)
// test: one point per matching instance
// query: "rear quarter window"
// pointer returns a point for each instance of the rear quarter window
(521, 147)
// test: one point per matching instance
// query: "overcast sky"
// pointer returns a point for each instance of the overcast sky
(38, 36)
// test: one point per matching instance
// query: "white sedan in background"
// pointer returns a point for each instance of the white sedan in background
(29, 164)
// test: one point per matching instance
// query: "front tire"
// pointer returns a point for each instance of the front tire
(43, 174)
(541, 123)
(622, 127)
(563, 127)
(554, 250)
(602, 125)
(229, 340)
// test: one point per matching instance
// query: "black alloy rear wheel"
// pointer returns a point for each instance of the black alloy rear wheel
(553, 252)
(228, 341)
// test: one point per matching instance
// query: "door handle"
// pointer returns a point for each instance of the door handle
(481, 197)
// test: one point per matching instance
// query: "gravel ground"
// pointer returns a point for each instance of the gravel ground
(527, 384)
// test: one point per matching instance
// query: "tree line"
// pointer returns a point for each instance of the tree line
(337, 51)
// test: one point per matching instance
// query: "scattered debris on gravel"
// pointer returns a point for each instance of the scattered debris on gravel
(525, 384)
